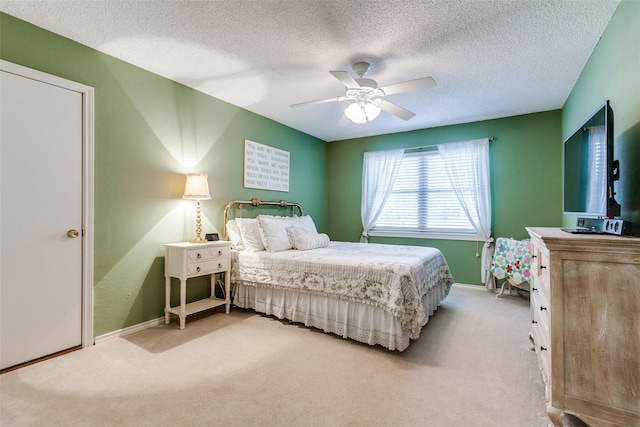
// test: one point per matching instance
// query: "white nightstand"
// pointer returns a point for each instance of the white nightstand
(187, 260)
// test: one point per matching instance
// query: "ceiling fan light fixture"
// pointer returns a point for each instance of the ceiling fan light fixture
(361, 112)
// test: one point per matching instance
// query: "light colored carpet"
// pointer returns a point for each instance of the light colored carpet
(471, 367)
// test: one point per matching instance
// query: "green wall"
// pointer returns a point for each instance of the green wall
(149, 132)
(526, 181)
(612, 74)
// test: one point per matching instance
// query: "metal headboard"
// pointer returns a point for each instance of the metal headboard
(255, 203)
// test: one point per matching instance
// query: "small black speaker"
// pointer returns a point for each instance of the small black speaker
(616, 226)
(212, 237)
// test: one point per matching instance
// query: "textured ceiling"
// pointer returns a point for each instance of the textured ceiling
(490, 58)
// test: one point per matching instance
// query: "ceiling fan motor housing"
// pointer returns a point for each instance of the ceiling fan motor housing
(367, 91)
(360, 68)
(364, 94)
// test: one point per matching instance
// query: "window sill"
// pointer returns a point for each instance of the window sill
(425, 235)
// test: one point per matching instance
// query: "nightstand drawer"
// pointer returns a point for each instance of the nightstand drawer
(207, 267)
(220, 252)
(199, 255)
(204, 254)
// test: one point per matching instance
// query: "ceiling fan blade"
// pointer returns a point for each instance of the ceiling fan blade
(344, 77)
(396, 110)
(319, 101)
(409, 86)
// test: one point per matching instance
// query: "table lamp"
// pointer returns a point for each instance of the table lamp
(197, 188)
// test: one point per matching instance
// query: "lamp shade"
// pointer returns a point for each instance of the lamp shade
(197, 187)
(361, 113)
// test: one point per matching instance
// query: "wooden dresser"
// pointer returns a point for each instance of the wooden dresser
(585, 313)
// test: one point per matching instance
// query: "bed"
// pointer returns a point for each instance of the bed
(372, 293)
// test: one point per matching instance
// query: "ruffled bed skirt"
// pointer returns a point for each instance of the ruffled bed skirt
(348, 319)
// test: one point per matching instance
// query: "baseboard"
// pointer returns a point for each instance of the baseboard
(467, 285)
(129, 330)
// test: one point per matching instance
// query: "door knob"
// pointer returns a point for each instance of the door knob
(72, 234)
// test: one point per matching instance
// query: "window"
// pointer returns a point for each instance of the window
(423, 200)
(442, 194)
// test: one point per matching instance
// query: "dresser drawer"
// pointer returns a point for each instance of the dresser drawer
(540, 309)
(540, 269)
(540, 333)
(543, 351)
(543, 280)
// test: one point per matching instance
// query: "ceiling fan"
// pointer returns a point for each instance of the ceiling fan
(367, 98)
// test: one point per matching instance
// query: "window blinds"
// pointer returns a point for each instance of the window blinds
(423, 199)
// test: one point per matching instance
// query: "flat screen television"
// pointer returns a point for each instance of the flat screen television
(589, 168)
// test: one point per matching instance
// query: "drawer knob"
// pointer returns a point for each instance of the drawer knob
(534, 322)
(543, 348)
(219, 253)
(219, 265)
(198, 255)
(534, 256)
(542, 308)
(198, 269)
(534, 289)
(543, 266)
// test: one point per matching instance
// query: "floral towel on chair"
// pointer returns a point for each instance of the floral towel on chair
(512, 260)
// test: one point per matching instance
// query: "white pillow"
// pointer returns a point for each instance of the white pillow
(273, 230)
(305, 222)
(234, 235)
(303, 241)
(250, 232)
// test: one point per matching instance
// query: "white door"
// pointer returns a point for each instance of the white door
(41, 208)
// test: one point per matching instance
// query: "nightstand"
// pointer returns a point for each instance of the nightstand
(187, 260)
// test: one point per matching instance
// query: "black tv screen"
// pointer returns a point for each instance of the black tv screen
(589, 167)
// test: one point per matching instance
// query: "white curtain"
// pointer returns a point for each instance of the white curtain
(468, 169)
(379, 173)
(597, 185)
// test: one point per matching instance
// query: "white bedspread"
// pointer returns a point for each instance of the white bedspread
(393, 278)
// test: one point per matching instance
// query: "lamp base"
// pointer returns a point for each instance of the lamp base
(198, 240)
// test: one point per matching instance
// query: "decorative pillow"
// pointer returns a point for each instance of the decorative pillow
(250, 232)
(234, 235)
(273, 230)
(305, 222)
(303, 241)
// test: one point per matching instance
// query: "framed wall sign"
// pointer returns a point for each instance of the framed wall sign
(265, 167)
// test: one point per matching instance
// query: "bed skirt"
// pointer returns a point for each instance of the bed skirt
(348, 319)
